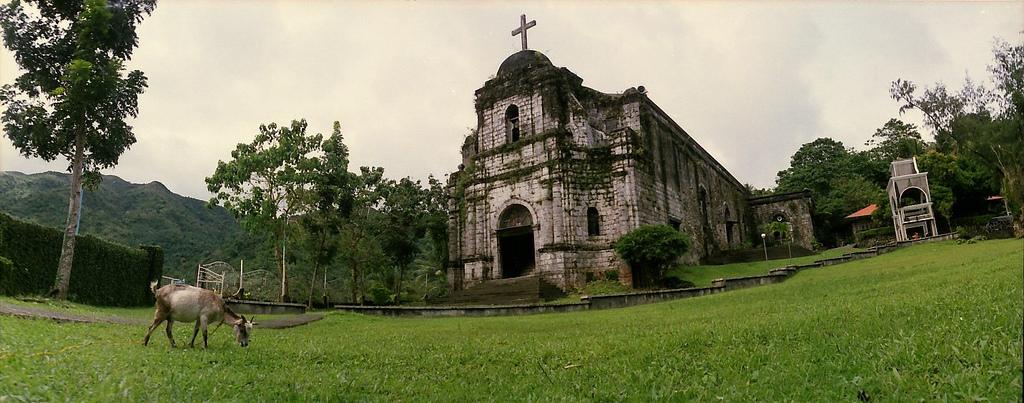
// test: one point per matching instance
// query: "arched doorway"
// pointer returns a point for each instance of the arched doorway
(515, 241)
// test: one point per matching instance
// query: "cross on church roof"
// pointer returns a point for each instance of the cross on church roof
(523, 26)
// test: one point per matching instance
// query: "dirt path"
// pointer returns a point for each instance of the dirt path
(43, 313)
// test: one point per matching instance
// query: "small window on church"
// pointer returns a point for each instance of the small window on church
(593, 222)
(674, 223)
(512, 123)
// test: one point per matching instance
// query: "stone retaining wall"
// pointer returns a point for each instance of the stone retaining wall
(490, 310)
(263, 307)
(777, 275)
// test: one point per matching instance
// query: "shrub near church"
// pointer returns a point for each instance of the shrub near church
(650, 250)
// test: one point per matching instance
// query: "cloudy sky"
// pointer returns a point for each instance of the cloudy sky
(751, 81)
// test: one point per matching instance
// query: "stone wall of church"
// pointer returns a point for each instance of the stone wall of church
(681, 185)
(793, 208)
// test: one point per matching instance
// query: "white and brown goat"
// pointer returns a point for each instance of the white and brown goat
(185, 303)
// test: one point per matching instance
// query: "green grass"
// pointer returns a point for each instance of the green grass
(74, 308)
(701, 276)
(935, 321)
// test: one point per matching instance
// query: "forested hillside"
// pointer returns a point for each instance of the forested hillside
(134, 214)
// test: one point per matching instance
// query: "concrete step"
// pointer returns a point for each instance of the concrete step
(518, 290)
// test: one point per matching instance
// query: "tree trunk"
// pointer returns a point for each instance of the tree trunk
(279, 254)
(1018, 224)
(316, 265)
(67, 250)
(357, 296)
(398, 287)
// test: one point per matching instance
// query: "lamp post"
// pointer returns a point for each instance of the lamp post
(789, 245)
(764, 244)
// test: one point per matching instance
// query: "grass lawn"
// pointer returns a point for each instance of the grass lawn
(141, 313)
(701, 276)
(934, 321)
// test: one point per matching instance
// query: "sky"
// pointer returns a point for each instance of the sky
(750, 81)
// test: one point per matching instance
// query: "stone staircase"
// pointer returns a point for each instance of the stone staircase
(507, 291)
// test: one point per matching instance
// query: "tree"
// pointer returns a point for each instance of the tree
(73, 97)
(330, 201)
(943, 200)
(362, 249)
(265, 183)
(404, 225)
(814, 166)
(896, 140)
(986, 124)
(650, 250)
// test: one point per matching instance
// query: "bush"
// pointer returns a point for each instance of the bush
(380, 295)
(876, 236)
(6, 271)
(103, 273)
(650, 250)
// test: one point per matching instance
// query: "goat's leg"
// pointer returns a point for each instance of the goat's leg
(195, 331)
(170, 332)
(205, 324)
(157, 320)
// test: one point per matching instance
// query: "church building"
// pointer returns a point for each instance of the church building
(556, 172)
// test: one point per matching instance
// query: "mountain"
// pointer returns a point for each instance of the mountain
(135, 214)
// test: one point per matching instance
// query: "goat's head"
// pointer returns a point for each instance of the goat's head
(243, 328)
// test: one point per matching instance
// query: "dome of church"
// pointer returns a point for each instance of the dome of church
(522, 60)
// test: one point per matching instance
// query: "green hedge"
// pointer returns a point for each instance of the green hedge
(875, 236)
(6, 269)
(877, 232)
(104, 273)
(973, 221)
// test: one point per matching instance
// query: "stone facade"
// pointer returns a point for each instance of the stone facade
(792, 208)
(555, 172)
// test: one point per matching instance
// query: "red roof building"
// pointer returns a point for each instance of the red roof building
(864, 212)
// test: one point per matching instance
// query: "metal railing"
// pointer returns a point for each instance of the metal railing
(207, 278)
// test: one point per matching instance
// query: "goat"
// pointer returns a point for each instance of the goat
(185, 303)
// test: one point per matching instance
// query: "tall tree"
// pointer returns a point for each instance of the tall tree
(896, 140)
(976, 121)
(404, 224)
(814, 166)
(359, 232)
(74, 96)
(330, 204)
(436, 216)
(266, 183)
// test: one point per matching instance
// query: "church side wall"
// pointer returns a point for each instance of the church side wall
(672, 175)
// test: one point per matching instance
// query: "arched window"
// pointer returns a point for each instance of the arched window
(512, 123)
(702, 200)
(593, 222)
